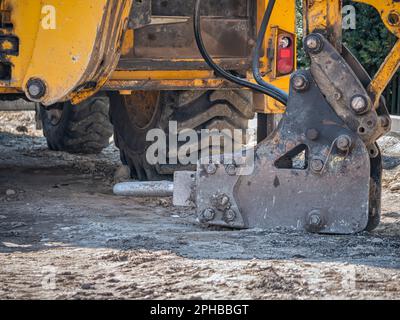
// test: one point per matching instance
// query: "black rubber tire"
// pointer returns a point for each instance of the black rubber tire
(195, 109)
(84, 128)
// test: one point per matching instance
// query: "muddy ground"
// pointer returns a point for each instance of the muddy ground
(63, 235)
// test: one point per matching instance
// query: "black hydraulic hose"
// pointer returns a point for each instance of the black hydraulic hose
(269, 90)
(256, 58)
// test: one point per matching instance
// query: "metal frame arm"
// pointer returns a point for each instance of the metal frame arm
(390, 14)
(324, 16)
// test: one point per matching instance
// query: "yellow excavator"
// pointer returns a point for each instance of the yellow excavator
(213, 65)
(77, 59)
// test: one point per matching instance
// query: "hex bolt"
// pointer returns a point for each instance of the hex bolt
(230, 169)
(208, 214)
(315, 220)
(300, 82)
(312, 134)
(229, 216)
(220, 202)
(314, 43)
(360, 104)
(224, 200)
(211, 169)
(344, 143)
(317, 165)
(36, 89)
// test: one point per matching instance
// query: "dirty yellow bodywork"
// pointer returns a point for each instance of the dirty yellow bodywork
(71, 46)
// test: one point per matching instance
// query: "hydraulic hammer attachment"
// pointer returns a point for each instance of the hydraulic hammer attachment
(320, 170)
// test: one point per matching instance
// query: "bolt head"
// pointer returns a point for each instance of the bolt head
(229, 216)
(317, 165)
(315, 221)
(314, 43)
(36, 89)
(230, 169)
(360, 104)
(312, 134)
(344, 143)
(300, 82)
(224, 200)
(220, 202)
(208, 215)
(211, 168)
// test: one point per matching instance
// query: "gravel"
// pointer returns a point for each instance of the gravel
(64, 235)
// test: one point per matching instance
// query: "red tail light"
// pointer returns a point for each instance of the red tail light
(285, 54)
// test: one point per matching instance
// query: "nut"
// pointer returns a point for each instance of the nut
(344, 143)
(229, 216)
(208, 215)
(317, 165)
(211, 169)
(300, 82)
(36, 89)
(230, 169)
(315, 221)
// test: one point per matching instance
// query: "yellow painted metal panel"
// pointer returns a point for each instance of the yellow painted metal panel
(61, 43)
(62, 55)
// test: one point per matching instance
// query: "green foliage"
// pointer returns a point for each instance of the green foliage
(370, 41)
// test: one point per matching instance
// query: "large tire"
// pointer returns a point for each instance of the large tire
(134, 115)
(84, 128)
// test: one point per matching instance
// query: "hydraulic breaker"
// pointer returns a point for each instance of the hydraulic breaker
(321, 169)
